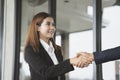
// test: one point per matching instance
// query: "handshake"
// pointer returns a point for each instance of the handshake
(82, 59)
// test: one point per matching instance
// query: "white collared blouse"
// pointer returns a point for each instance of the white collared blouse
(50, 50)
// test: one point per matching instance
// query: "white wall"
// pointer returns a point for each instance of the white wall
(82, 41)
(111, 38)
(8, 40)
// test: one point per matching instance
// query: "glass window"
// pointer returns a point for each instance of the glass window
(29, 9)
(74, 33)
(111, 39)
(74, 21)
(81, 41)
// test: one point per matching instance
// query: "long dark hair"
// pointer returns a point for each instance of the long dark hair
(33, 35)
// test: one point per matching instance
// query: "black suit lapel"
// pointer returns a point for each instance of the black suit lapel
(45, 55)
(59, 56)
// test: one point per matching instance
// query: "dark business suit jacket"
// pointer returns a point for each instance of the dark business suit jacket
(107, 55)
(42, 67)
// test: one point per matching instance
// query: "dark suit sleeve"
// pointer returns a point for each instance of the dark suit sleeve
(107, 55)
(37, 64)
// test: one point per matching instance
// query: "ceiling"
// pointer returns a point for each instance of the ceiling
(72, 15)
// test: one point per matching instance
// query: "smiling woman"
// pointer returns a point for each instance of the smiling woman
(42, 54)
(47, 29)
(40, 28)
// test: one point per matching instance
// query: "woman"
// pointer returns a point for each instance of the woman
(42, 54)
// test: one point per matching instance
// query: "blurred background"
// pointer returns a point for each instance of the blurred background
(74, 24)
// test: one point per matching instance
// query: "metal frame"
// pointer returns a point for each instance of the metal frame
(97, 24)
(17, 39)
(52, 10)
(1, 34)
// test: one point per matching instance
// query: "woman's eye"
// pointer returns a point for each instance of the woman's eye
(48, 24)
(53, 24)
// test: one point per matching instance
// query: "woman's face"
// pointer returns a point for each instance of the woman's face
(47, 28)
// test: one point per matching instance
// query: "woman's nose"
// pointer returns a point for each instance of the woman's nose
(52, 26)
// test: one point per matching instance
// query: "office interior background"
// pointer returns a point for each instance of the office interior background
(75, 32)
